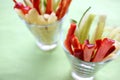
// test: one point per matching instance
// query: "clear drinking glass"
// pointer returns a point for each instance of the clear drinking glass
(82, 70)
(47, 35)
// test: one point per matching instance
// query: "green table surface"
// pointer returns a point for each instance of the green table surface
(21, 59)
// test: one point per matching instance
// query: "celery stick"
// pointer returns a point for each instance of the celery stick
(83, 30)
(97, 34)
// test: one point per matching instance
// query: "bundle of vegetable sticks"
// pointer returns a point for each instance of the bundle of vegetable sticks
(91, 48)
(42, 11)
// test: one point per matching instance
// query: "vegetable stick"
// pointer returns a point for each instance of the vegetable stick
(103, 49)
(36, 5)
(64, 9)
(49, 7)
(32, 16)
(55, 4)
(61, 4)
(67, 42)
(88, 52)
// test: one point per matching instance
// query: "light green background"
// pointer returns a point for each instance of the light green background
(21, 59)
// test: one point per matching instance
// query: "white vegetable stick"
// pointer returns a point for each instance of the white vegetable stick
(114, 32)
(52, 18)
(41, 20)
(32, 16)
(46, 16)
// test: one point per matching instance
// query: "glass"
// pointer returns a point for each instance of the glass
(47, 36)
(82, 70)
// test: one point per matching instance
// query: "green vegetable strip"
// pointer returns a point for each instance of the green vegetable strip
(99, 29)
(83, 30)
(83, 16)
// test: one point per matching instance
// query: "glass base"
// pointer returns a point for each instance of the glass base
(76, 77)
(45, 47)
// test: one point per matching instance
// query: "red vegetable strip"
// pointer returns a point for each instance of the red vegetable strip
(78, 53)
(31, 1)
(19, 5)
(67, 41)
(98, 43)
(85, 43)
(110, 51)
(88, 52)
(49, 7)
(36, 5)
(103, 49)
(64, 9)
(75, 42)
(26, 9)
(60, 7)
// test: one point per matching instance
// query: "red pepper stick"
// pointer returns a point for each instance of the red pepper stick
(19, 5)
(75, 42)
(31, 1)
(49, 7)
(88, 52)
(67, 41)
(61, 4)
(64, 9)
(78, 53)
(36, 5)
(103, 49)
(110, 51)
(77, 50)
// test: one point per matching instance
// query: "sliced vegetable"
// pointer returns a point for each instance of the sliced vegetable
(67, 41)
(75, 42)
(78, 53)
(97, 34)
(88, 52)
(61, 4)
(49, 6)
(43, 7)
(63, 7)
(36, 5)
(103, 49)
(19, 5)
(84, 29)
(55, 4)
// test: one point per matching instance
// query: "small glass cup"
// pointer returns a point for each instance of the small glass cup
(82, 70)
(47, 35)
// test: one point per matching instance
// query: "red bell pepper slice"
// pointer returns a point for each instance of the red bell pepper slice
(88, 52)
(106, 45)
(110, 51)
(98, 43)
(49, 7)
(78, 53)
(19, 5)
(67, 41)
(62, 2)
(85, 43)
(26, 9)
(36, 5)
(64, 9)
(75, 42)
